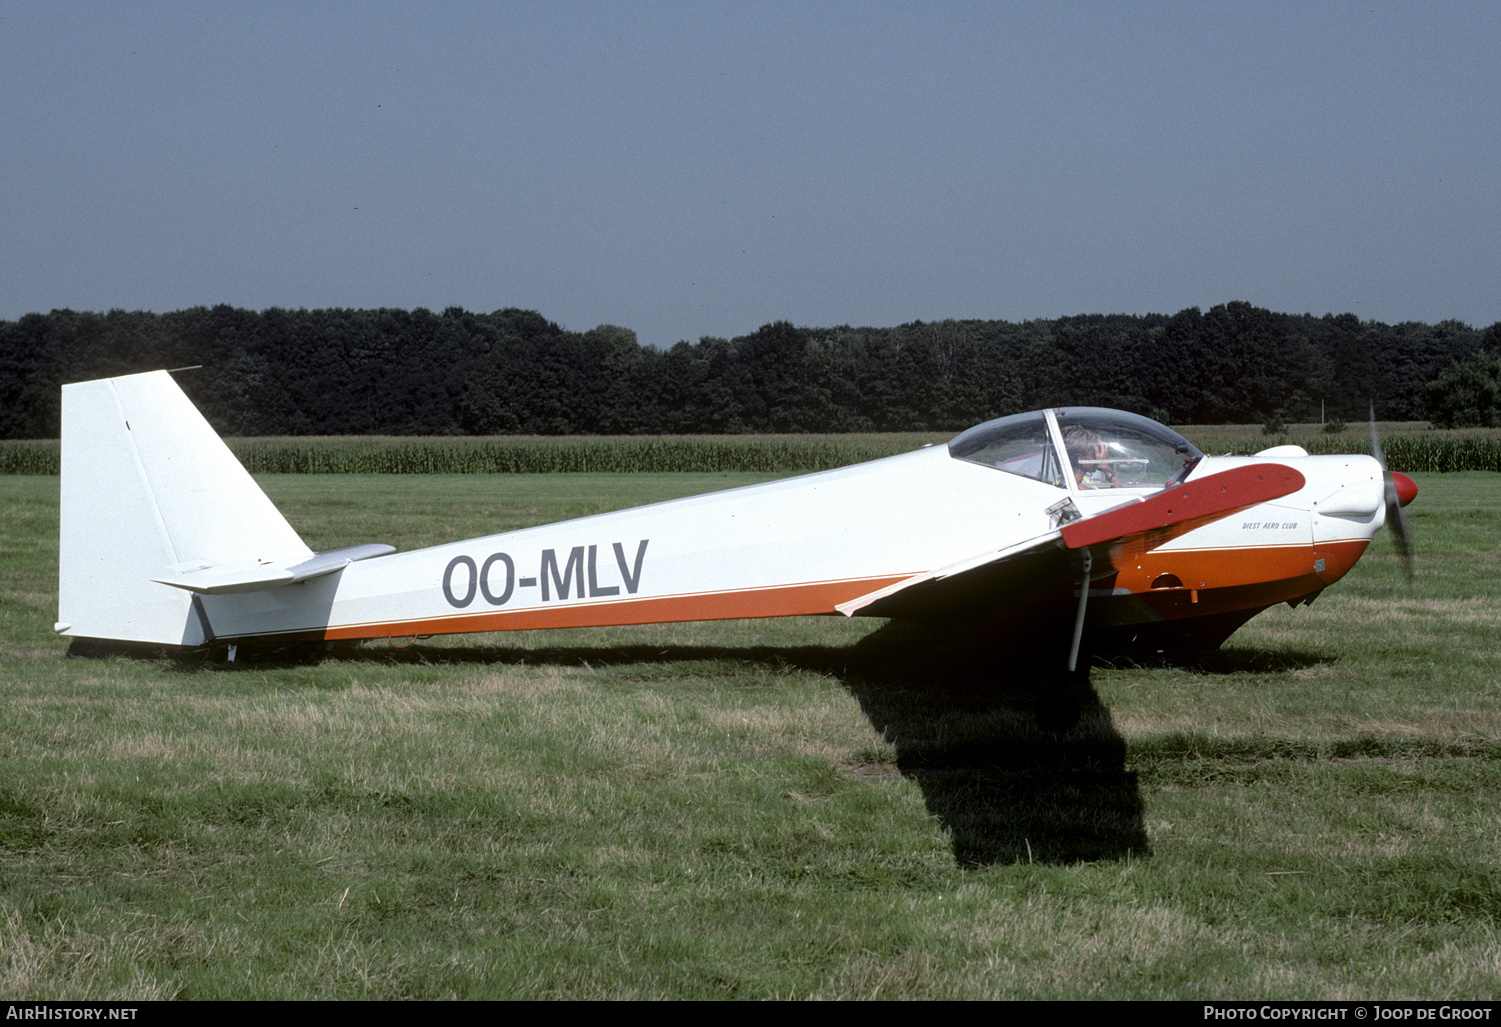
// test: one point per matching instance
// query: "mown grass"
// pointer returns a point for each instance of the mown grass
(797, 808)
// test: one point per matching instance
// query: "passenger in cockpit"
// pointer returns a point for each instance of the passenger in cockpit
(1089, 457)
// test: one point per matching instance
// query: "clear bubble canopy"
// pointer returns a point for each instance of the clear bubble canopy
(1081, 448)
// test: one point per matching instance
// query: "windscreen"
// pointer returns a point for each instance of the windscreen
(1114, 449)
(1018, 444)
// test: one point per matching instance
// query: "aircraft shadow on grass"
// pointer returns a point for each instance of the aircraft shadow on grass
(960, 711)
(962, 717)
(1005, 790)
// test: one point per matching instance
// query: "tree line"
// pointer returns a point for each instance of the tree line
(415, 372)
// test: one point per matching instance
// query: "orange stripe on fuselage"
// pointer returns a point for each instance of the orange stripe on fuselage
(1215, 581)
(776, 601)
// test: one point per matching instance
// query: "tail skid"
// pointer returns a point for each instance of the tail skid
(156, 509)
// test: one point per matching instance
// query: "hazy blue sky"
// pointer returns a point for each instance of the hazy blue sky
(689, 169)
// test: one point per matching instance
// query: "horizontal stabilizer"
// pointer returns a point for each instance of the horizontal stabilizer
(230, 578)
(155, 510)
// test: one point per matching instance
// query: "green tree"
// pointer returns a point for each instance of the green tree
(1467, 393)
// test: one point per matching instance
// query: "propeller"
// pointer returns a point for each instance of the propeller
(1399, 491)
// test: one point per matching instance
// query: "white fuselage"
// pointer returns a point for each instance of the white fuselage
(800, 545)
(164, 538)
(803, 546)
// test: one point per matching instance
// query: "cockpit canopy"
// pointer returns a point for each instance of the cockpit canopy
(1099, 449)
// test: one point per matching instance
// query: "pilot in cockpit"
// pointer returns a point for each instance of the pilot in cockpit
(1089, 457)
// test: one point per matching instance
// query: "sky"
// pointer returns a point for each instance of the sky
(701, 169)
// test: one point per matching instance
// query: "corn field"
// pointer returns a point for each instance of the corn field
(541, 456)
(1406, 450)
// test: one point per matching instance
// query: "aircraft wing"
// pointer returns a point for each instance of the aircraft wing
(1123, 533)
(1112, 538)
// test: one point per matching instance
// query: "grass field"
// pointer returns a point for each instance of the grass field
(804, 808)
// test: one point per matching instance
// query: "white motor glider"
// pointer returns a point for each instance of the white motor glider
(1101, 525)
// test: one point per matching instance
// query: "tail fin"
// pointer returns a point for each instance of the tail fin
(156, 508)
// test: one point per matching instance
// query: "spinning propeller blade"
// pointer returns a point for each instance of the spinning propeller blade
(1399, 490)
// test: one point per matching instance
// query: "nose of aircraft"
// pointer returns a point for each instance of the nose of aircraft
(1407, 489)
